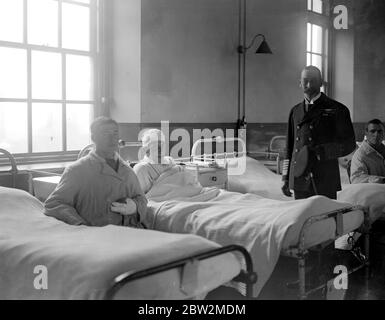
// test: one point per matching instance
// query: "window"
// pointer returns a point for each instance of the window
(317, 44)
(315, 6)
(47, 78)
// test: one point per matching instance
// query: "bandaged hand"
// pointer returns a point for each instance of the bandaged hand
(126, 208)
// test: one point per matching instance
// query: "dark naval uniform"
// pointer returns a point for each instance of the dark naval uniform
(326, 131)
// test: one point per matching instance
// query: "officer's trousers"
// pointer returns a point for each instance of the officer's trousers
(307, 194)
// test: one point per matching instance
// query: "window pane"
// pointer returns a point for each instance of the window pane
(46, 75)
(308, 59)
(309, 37)
(76, 27)
(13, 73)
(309, 4)
(316, 61)
(317, 39)
(317, 6)
(326, 52)
(43, 22)
(47, 127)
(83, 1)
(79, 78)
(11, 20)
(14, 127)
(78, 125)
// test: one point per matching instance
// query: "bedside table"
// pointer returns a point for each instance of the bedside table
(209, 176)
(43, 186)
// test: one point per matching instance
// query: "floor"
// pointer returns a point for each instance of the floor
(282, 286)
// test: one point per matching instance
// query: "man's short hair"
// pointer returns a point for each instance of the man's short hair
(314, 69)
(374, 121)
(100, 121)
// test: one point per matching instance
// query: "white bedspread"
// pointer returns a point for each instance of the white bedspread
(259, 180)
(262, 226)
(82, 261)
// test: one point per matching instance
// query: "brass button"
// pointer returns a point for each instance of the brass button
(296, 150)
(297, 139)
(311, 127)
(298, 127)
(310, 139)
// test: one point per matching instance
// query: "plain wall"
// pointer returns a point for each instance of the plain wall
(369, 71)
(190, 62)
(343, 68)
(272, 81)
(125, 105)
(176, 60)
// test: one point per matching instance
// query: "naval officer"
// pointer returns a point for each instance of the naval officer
(319, 132)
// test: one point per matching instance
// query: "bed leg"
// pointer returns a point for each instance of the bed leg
(301, 278)
(367, 250)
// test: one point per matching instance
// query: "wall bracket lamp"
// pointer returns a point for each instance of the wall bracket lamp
(263, 47)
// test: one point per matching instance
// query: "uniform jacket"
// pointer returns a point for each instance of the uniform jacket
(326, 128)
(368, 166)
(87, 189)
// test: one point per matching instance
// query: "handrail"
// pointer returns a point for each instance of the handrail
(249, 277)
(14, 169)
(216, 140)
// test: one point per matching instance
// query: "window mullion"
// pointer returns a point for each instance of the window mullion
(64, 111)
(29, 75)
(29, 98)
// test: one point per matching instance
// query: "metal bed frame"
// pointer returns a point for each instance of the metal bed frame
(300, 252)
(248, 276)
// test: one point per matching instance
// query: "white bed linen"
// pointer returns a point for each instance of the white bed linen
(259, 180)
(82, 261)
(263, 226)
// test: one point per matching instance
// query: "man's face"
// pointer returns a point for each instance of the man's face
(106, 138)
(310, 82)
(375, 134)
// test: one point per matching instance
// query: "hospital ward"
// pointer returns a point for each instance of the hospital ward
(198, 150)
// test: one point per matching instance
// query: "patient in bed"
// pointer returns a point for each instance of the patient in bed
(100, 188)
(155, 162)
(368, 164)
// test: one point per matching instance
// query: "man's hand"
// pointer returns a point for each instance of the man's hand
(286, 189)
(126, 208)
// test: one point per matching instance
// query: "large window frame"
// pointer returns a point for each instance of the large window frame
(94, 54)
(318, 18)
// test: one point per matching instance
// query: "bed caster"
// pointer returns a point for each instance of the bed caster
(247, 277)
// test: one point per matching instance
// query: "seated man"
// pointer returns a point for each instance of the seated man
(155, 162)
(368, 164)
(100, 188)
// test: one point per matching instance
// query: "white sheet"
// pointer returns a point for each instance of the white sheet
(259, 180)
(263, 226)
(82, 261)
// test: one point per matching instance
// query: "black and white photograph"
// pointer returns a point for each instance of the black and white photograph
(192, 155)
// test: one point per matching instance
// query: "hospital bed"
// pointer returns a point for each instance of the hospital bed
(105, 263)
(108, 262)
(313, 232)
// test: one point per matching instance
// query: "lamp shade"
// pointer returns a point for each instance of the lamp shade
(264, 48)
